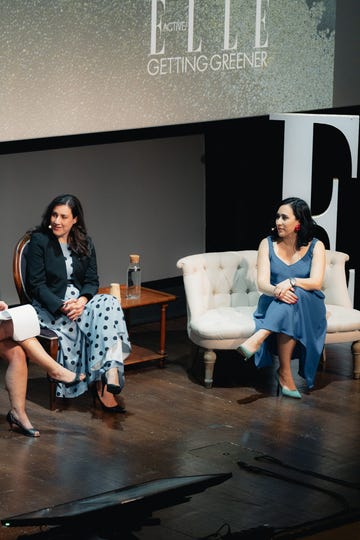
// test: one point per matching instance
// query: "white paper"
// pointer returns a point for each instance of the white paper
(25, 321)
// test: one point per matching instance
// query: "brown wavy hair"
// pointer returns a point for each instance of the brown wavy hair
(78, 237)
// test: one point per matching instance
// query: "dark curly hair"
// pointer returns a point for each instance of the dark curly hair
(78, 237)
(302, 213)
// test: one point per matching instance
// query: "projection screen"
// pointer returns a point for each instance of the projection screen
(85, 66)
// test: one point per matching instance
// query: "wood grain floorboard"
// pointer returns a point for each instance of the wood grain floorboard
(175, 427)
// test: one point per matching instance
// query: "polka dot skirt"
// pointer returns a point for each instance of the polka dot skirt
(94, 343)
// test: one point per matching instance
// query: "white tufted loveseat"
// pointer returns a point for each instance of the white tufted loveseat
(221, 296)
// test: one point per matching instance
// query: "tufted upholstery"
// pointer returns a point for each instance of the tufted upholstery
(222, 295)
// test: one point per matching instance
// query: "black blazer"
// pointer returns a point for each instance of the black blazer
(46, 278)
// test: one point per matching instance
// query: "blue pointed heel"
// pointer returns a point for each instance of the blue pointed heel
(245, 353)
(285, 391)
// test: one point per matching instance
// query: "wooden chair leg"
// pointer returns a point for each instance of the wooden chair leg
(53, 350)
(355, 349)
(209, 361)
(52, 396)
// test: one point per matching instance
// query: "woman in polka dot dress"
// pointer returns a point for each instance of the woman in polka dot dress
(62, 280)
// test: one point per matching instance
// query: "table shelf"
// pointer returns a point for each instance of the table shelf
(148, 297)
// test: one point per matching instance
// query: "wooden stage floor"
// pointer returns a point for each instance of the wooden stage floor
(292, 462)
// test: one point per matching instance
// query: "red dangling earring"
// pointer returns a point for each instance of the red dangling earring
(297, 227)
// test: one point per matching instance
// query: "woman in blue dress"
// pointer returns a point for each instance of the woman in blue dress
(62, 280)
(290, 319)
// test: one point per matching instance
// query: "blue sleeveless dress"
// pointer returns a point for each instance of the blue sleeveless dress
(305, 321)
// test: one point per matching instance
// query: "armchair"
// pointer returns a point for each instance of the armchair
(47, 338)
(221, 297)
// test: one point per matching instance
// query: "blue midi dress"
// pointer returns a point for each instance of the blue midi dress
(93, 343)
(305, 321)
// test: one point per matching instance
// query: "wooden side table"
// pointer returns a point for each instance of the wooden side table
(148, 297)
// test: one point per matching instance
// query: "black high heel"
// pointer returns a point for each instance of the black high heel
(28, 432)
(115, 409)
(112, 388)
(76, 380)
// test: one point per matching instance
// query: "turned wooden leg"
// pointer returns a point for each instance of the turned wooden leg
(209, 361)
(355, 349)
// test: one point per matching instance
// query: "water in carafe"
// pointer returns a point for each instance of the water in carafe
(133, 278)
